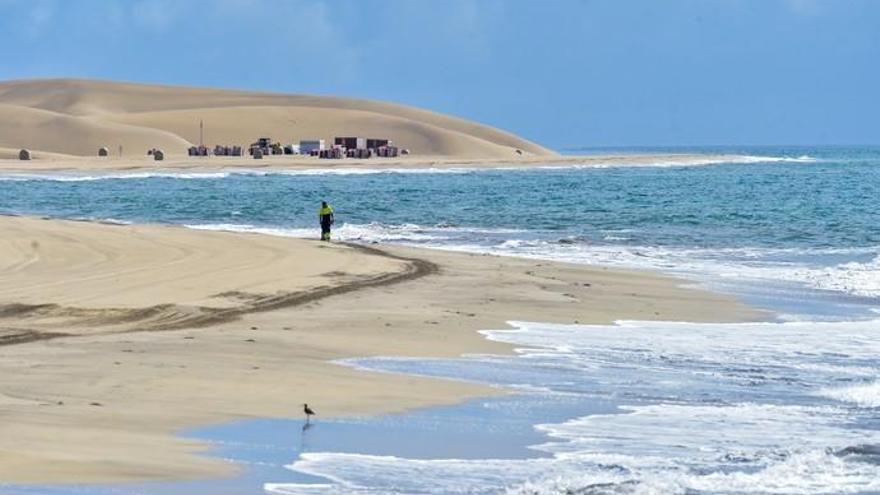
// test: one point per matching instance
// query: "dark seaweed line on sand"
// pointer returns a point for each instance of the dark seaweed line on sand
(207, 316)
(15, 336)
(416, 268)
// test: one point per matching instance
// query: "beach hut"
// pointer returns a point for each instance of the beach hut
(358, 153)
(376, 143)
(24, 155)
(334, 153)
(351, 143)
(388, 151)
(311, 146)
(158, 155)
(103, 152)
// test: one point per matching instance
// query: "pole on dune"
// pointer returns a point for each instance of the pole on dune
(201, 133)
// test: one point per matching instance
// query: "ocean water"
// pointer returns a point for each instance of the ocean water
(790, 405)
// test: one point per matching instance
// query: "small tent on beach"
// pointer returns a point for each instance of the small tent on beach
(24, 155)
(158, 155)
(103, 152)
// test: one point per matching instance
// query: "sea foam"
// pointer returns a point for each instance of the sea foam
(861, 395)
(716, 265)
(446, 169)
(711, 408)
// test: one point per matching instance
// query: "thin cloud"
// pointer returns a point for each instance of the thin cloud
(40, 17)
(156, 14)
(804, 7)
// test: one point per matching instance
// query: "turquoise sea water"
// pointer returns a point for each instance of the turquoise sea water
(786, 406)
(810, 198)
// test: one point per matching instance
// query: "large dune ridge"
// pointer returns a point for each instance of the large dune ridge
(73, 117)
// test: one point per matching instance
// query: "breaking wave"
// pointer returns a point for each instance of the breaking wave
(867, 395)
(720, 408)
(804, 266)
(448, 169)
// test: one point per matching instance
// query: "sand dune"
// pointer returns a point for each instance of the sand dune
(76, 117)
(47, 131)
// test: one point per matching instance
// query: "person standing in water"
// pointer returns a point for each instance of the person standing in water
(325, 215)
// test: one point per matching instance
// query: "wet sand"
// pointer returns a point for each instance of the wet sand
(113, 338)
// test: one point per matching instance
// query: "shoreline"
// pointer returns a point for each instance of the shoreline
(147, 398)
(115, 165)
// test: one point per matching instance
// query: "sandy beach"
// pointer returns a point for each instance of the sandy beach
(77, 165)
(114, 337)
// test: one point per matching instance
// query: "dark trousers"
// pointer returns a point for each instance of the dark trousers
(325, 231)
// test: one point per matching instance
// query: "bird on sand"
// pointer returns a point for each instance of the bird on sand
(308, 411)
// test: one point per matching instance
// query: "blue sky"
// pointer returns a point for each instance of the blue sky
(562, 72)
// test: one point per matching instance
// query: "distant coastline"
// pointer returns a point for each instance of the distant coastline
(302, 163)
